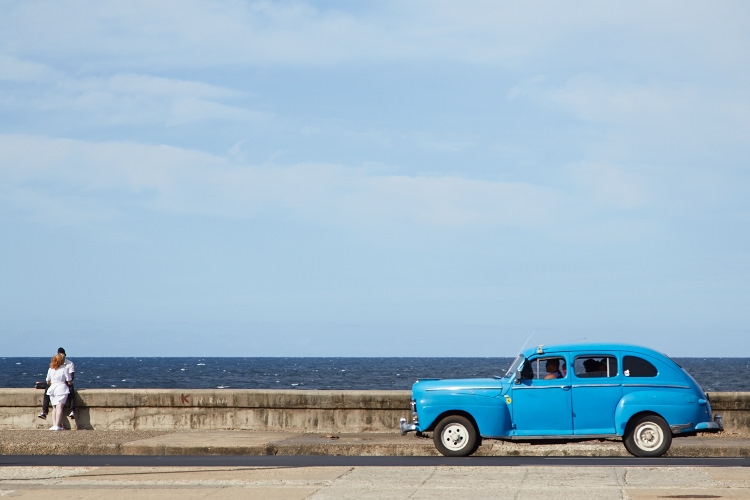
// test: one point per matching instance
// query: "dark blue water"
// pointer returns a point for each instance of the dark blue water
(713, 374)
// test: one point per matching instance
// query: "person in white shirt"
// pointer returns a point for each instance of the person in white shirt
(58, 379)
(71, 398)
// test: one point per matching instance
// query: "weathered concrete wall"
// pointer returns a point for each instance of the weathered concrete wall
(296, 411)
(145, 409)
(734, 407)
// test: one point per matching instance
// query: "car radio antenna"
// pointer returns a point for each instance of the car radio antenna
(527, 341)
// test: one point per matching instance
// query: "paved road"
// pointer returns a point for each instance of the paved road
(440, 480)
(349, 461)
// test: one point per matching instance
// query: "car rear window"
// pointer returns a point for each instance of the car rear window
(633, 366)
(594, 366)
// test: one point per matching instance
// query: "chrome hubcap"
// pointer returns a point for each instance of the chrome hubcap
(455, 437)
(648, 436)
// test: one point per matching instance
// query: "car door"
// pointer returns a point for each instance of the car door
(597, 390)
(540, 406)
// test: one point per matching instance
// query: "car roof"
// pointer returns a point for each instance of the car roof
(590, 348)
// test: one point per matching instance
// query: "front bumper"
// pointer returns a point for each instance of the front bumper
(414, 426)
(406, 427)
(716, 426)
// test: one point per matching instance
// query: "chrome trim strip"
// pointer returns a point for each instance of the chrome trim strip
(463, 388)
(677, 428)
(524, 387)
(567, 437)
(596, 385)
(655, 386)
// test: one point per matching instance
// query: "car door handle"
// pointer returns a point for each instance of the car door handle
(566, 388)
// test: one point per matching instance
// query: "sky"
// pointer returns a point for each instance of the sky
(405, 178)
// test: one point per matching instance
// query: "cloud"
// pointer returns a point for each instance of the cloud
(192, 33)
(443, 146)
(135, 99)
(13, 69)
(592, 98)
(651, 122)
(130, 83)
(120, 176)
(611, 185)
(67, 209)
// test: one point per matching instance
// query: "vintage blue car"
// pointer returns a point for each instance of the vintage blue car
(566, 392)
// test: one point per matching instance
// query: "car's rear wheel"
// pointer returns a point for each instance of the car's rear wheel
(648, 436)
(455, 436)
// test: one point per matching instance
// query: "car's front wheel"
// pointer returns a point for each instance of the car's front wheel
(648, 436)
(455, 436)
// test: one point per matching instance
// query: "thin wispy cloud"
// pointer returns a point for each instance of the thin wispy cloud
(190, 182)
(133, 99)
(194, 33)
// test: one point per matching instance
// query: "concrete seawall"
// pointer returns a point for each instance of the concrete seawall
(259, 410)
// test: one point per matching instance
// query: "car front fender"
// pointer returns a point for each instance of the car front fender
(491, 414)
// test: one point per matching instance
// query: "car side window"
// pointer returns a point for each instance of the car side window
(544, 368)
(633, 366)
(593, 366)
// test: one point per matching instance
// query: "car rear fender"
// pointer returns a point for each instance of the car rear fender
(676, 407)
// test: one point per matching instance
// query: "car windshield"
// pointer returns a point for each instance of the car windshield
(514, 366)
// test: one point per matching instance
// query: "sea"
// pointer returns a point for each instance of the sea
(313, 373)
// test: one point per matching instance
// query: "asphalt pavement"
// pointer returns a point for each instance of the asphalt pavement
(396, 482)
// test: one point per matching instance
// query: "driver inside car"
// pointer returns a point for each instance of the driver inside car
(553, 369)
